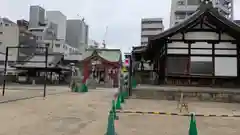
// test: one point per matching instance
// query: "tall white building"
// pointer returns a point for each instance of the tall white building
(61, 20)
(150, 27)
(180, 9)
(77, 34)
(9, 36)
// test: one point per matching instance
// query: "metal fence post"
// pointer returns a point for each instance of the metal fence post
(45, 76)
(5, 71)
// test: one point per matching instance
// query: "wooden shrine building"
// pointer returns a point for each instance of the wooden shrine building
(201, 50)
(102, 65)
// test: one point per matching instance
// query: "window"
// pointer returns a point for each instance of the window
(201, 65)
(6, 24)
(57, 45)
(47, 45)
(189, 13)
(193, 2)
(39, 38)
(0, 43)
(177, 65)
(180, 16)
(181, 2)
(1, 33)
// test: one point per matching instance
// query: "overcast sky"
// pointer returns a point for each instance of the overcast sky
(123, 17)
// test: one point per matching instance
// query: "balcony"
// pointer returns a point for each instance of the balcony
(150, 33)
(152, 26)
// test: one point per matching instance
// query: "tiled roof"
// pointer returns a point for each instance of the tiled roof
(111, 55)
(204, 10)
(38, 61)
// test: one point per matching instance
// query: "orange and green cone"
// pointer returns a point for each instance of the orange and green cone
(193, 126)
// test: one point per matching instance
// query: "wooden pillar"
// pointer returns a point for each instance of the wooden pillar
(238, 63)
(85, 71)
(189, 63)
(165, 63)
(59, 77)
(51, 74)
(213, 64)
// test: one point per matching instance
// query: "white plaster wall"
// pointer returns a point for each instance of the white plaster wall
(201, 35)
(178, 44)
(177, 51)
(226, 66)
(225, 36)
(197, 58)
(225, 45)
(198, 51)
(201, 45)
(177, 36)
(226, 52)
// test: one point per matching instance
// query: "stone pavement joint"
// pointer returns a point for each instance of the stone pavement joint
(174, 114)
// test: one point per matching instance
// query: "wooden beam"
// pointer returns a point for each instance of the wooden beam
(202, 40)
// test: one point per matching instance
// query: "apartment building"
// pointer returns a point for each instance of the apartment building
(181, 9)
(9, 36)
(150, 27)
(62, 47)
(26, 39)
(60, 20)
(45, 35)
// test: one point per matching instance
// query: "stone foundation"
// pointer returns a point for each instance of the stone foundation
(188, 96)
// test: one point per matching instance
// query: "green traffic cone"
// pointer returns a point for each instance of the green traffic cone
(134, 83)
(114, 110)
(118, 104)
(110, 126)
(122, 97)
(84, 88)
(125, 93)
(193, 126)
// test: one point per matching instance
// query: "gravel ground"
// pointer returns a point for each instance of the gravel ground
(63, 114)
(86, 114)
(14, 93)
(137, 124)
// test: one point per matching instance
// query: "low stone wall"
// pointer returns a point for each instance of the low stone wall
(188, 96)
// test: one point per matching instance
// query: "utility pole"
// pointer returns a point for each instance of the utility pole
(130, 74)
